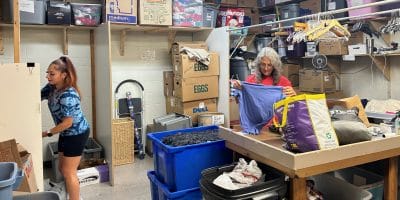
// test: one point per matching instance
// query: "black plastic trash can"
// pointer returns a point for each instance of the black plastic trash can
(272, 187)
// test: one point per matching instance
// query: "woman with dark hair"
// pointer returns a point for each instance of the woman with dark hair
(63, 97)
(268, 72)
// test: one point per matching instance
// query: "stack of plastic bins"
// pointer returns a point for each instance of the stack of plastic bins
(39, 196)
(271, 186)
(10, 178)
(178, 169)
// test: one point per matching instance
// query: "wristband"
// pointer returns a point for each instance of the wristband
(49, 134)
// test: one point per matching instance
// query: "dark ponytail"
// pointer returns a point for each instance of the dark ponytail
(64, 64)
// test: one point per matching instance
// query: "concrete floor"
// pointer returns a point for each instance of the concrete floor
(131, 182)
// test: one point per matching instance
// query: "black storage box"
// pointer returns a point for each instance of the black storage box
(296, 49)
(58, 12)
(272, 187)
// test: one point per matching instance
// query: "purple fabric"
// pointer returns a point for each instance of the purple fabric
(298, 132)
(256, 105)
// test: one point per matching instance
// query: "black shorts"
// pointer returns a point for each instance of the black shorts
(73, 145)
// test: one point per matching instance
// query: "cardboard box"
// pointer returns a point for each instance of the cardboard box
(357, 49)
(333, 47)
(155, 12)
(169, 104)
(291, 71)
(121, 11)
(93, 175)
(317, 81)
(9, 153)
(229, 2)
(211, 118)
(188, 13)
(188, 68)
(234, 114)
(192, 89)
(356, 38)
(193, 108)
(313, 5)
(168, 77)
(255, 18)
(247, 3)
(177, 46)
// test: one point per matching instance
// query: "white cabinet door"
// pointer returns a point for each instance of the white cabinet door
(20, 110)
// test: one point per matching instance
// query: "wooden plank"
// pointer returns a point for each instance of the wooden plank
(17, 37)
(93, 82)
(104, 94)
(1, 42)
(260, 158)
(390, 182)
(171, 39)
(305, 163)
(218, 41)
(122, 40)
(298, 189)
(383, 65)
(65, 41)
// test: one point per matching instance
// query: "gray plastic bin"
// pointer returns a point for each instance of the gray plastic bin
(172, 121)
(10, 178)
(57, 177)
(34, 13)
(92, 150)
(333, 188)
(209, 16)
(48, 195)
(363, 179)
(289, 11)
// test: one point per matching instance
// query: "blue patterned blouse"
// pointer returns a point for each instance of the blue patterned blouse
(63, 104)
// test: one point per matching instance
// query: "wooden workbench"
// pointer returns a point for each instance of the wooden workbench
(267, 148)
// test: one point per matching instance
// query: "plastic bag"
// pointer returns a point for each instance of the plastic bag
(306, 123)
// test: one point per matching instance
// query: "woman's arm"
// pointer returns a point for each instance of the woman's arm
(64, 125)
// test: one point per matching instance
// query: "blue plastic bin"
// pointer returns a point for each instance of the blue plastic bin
(180, 167)
(10, 178)
(159, 191)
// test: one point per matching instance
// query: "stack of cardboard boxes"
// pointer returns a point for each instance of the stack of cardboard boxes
(192, 87)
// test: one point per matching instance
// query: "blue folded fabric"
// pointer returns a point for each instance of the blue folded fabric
(256, 105)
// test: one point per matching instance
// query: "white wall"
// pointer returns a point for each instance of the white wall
(44, 46)
(365, 79)
(146, 57)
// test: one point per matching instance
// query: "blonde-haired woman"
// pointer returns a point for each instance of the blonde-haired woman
(268, 72)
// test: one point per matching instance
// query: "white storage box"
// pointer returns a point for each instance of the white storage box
(357, 49)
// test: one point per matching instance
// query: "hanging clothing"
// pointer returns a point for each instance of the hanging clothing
(256, 105)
